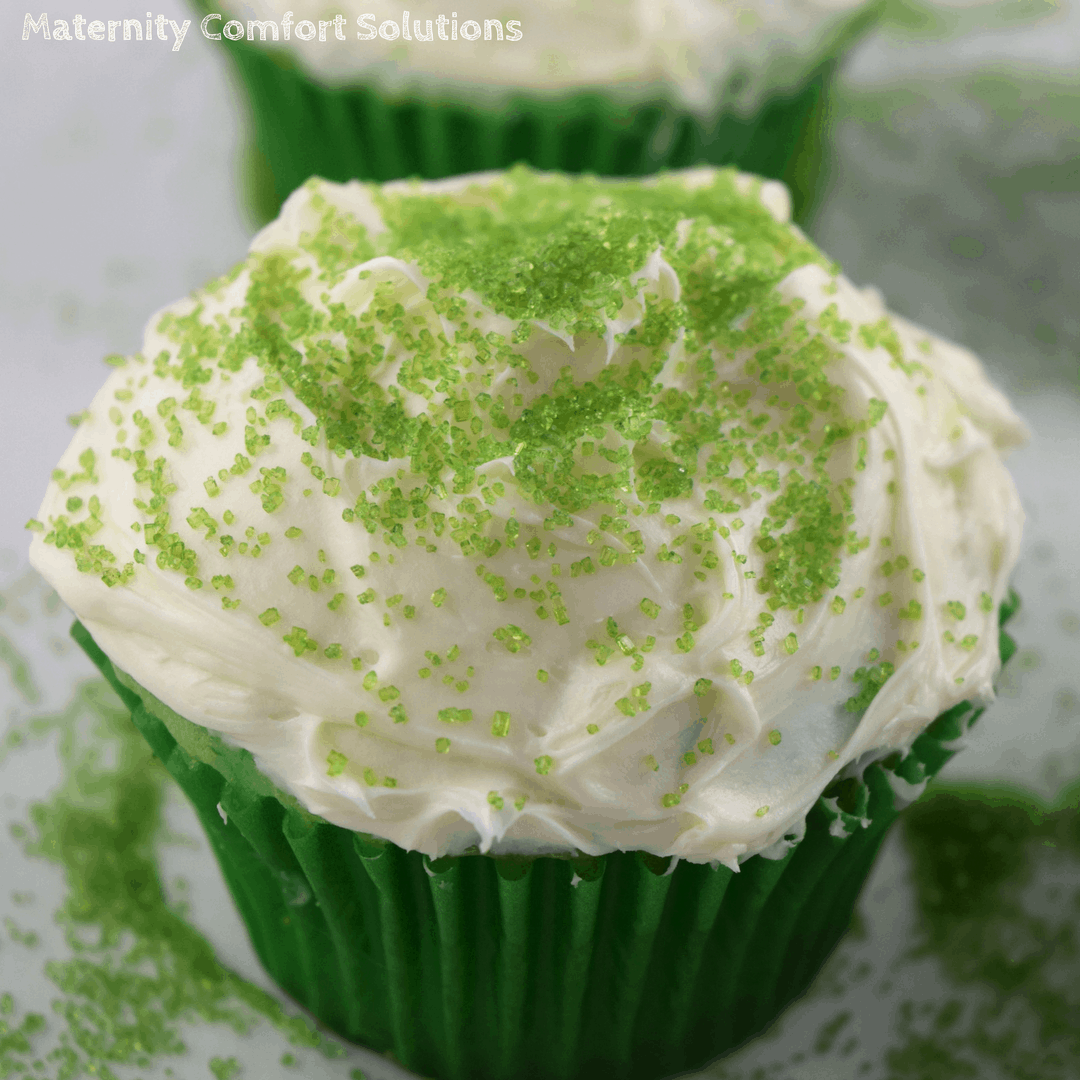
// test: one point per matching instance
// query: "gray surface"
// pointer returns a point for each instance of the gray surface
(957, 193)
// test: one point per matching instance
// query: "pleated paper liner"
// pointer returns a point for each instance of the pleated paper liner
(303, 127)
(505, 968)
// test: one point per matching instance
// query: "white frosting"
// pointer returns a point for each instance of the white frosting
(954, 514)
(632, 48)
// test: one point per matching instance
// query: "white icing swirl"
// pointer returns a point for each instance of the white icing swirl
(700, 772)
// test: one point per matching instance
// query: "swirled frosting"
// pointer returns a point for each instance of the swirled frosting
(542, 513)
(633, 48)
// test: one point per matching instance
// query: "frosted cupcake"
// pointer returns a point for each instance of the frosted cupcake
(545, 589)
(611, 87)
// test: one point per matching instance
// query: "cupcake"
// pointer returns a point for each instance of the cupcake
(610, 87)
(547, 590)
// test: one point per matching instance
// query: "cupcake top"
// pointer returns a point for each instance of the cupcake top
(686, 49)
(542, 513)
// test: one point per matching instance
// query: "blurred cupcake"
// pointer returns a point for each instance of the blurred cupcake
(545, 589)
(609, 87)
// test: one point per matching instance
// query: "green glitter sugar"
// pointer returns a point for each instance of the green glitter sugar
(555, 250)
(132, 975)
(472, 441)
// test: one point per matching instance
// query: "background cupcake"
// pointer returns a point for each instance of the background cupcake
(613, 88)
(547, 382)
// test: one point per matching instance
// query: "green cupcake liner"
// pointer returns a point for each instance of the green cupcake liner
(479, 967)
(302, 127)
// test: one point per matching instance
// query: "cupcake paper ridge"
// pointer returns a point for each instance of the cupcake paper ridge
(649, 469)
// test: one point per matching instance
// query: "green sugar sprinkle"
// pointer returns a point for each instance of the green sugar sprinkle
(337, 762)
(297, 639)
(442, 746)
(543, 764)
(513, 638)
(132, 972)
(871, 680)
(774, 737)
(454, 715)
(224, 1068)
(566, 252)
(649, 607)
(500, 724)
(912, 610)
